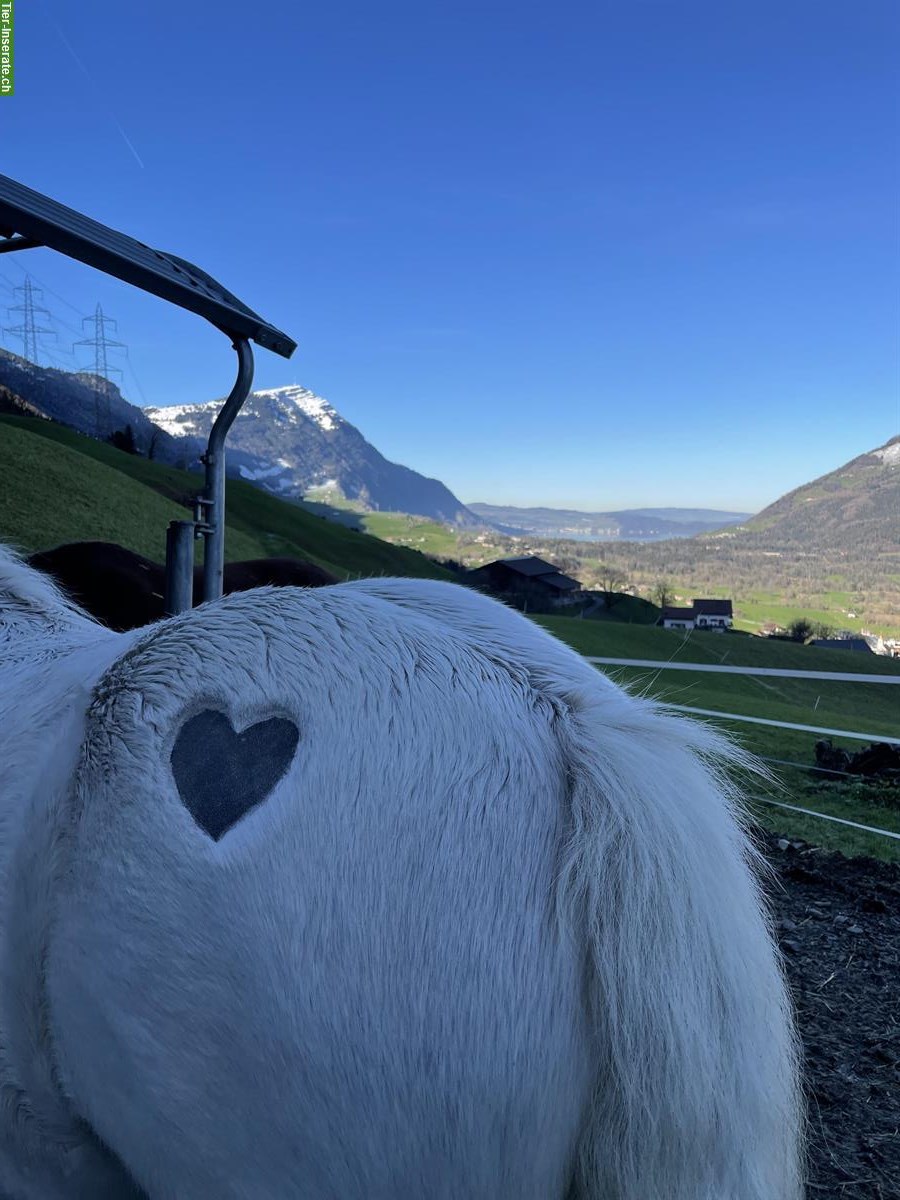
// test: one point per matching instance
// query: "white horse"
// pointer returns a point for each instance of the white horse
(372, 892)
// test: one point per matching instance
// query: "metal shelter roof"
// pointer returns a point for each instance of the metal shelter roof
(28, 219)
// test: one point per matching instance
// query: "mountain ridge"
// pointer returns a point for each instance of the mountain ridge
(310, 448)
(620, 525)
(96, 407)
(856, 495)
(177, 436)
(832, 544)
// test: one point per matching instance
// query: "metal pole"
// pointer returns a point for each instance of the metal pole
(179, 567)
(214, 459)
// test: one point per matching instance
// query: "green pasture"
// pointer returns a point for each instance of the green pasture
(428, 537)
(629, 610)
(854, 707)
(829, 608)
(57, 485)
(53, 493)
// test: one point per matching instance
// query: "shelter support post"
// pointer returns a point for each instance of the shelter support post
(214, 459)
(179, 567)
(210, 507)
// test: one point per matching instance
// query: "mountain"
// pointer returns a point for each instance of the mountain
(306, 450)
(78, 399)
(638, 524)
(94, 406)
(854, 510)
(832, 545)
(699, 516)
(288, 441)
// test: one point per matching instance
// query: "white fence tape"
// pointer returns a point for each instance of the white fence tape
(838, 676)
(783, 673)
(844, 733)
(709, 712)
(827, 817)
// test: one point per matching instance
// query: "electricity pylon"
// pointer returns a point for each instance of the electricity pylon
(102, 369)
(28, 331)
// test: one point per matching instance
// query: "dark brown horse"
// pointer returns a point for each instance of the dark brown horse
(124, 590)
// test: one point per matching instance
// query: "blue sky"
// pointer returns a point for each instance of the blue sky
(589, 255)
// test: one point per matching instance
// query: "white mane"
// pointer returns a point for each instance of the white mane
(34, 609)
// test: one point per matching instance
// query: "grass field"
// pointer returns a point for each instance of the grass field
(53, 492)
(829, 608)
(402, 530)
(855, 707)
(59, 486)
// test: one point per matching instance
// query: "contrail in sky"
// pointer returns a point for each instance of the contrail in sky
(90, 79)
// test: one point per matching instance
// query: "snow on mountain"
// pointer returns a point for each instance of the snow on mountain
(889, 454)
(313, 406)
(295, 443)
(175, 420)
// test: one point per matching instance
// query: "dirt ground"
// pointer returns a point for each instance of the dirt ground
(839, 928)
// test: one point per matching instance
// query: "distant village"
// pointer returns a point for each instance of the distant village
(533, 583)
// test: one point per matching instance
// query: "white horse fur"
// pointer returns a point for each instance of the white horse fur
(497, 934)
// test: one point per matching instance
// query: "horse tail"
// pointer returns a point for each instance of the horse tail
(698, 1093)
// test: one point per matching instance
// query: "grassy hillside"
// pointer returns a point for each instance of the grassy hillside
(401, 529)
(853, 504)
(629, 610)
(52, 493)
(58, 486)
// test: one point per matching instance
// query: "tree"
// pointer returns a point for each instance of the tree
(662, 593)
(154, 444)
(451, 564)
(800, 630)
(610, 582)
(123, 439)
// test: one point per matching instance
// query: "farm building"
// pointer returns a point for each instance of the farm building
(703, 614)
(677, 618)
(529, 580)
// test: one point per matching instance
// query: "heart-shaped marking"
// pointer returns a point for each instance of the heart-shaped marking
(221, 775)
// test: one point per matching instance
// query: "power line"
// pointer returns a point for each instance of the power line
(58, 320)
(44, 286)
(137, 382)
(28, 330)
(7, 283)
(58, 363)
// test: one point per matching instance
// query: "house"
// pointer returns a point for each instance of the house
(713, 614)
(677, 618)
(703, 614)
(529, 580)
